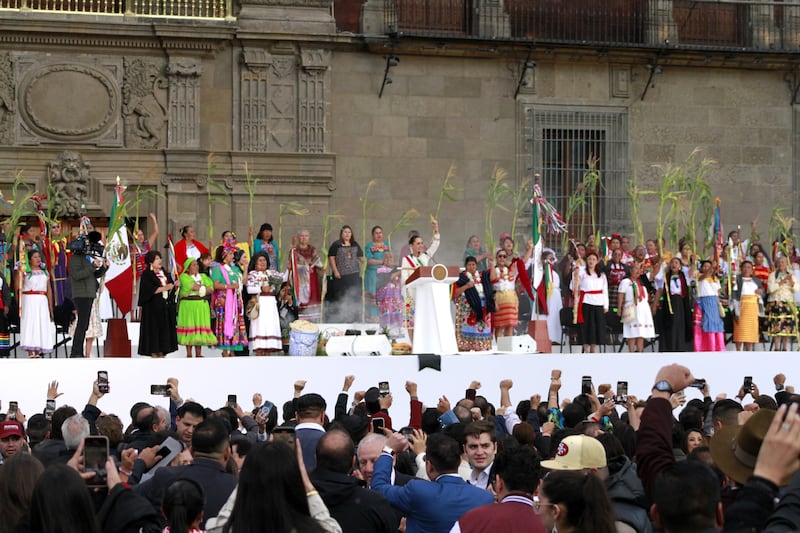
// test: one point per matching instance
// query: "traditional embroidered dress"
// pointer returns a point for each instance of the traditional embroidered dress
(390, 301)
(636, 295)
(709, 330)
(229, 310)
(265, 331)
(781, 309)
(305, 265)
(473, 318)
(37, 331)
(194, 313)
(375, 251)
(506, 302)
(745, 324)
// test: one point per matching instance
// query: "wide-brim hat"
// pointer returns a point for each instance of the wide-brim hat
(735, 448)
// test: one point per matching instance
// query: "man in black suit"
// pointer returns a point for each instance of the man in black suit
(358, 510)
(210, 450)
(310, 416)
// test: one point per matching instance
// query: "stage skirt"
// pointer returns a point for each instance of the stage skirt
(265, 331)
(593, 328)
(708, 341)
(472, 334)
(507, 305)
(642, 326)
(781, 319)
(745, 328)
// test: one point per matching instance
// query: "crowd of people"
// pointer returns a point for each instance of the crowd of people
(600, 461)
(241, 298)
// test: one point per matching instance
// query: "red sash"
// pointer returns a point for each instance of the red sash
(580, 303)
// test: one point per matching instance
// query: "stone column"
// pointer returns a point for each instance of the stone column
(253, 100)
(492, 19)
(313, 97)
(184, 102)
(373, 18)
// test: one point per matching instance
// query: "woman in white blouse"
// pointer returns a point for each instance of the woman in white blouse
(746, 304)
(591, 288)
(408, 265)
(632, 300)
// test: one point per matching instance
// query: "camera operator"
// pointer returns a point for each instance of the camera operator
(86, 266)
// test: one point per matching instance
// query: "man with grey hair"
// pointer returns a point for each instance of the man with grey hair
(369, 449)
(74, 430)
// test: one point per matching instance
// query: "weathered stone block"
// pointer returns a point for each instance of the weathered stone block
(463, 87)
(432, 127)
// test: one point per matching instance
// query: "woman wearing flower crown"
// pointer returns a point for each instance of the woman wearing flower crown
(506, 301)
(194, 314)
(473, 309)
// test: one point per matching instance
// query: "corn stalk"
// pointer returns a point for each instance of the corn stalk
(365, 209)
(497, 191)
(634, 196)
(522, 198)
(780, 230)
(404, 222)
(447, 191)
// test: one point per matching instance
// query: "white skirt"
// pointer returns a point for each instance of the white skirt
(265, 331)
(643, 325)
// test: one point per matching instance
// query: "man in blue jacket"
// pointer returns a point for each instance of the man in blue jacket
(429, 507)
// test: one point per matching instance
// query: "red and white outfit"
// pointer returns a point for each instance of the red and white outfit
(636, 294)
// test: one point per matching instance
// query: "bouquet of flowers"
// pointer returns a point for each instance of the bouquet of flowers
(275, 280)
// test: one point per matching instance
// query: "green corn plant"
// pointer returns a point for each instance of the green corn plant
(447, 192)
(521, 198)
(212, 186)
(251, 185)
(497, 192)
(404, 222)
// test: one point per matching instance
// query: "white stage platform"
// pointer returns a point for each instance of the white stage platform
(210, 380)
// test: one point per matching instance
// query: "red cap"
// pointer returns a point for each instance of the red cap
(9, 428)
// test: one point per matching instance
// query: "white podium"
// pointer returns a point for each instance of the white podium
(434, 331)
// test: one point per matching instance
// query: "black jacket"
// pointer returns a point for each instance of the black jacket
(124, 511)
(356, 508)
(627, 495)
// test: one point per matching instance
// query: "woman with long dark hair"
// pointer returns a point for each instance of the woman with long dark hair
(375, 251)
(591, 294)
(674, 317)
(781, 309)
(265, 242)
(182, 506)
(158, 333)
(274, 495)
(344, 287)
(417, 257)
(36, 329)
(265, 328)
(18, 477)
(574, 502)
(61, 503)
(709, 330)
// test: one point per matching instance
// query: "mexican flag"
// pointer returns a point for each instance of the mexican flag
(538, 281)
(119, 276)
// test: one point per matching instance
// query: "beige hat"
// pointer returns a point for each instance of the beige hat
(577, 452)
(735, 448)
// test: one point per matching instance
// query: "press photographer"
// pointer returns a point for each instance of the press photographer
(86, 266)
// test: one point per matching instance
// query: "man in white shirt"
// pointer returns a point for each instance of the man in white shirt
(480, 448)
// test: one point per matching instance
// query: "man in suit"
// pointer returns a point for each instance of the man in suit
(310, 414)
(358, 510)
(517, 474)
(430, 507)
(210, 450)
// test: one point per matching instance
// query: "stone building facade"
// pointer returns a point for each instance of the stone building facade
(289, 90)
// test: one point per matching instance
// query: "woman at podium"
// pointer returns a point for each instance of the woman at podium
(410, 263)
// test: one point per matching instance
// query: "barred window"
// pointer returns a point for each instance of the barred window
(563, 140)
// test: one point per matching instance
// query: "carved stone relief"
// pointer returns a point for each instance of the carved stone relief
(144, 104)
(7, 105)
(64, 100)
(69, 177)
(184, 102)
(313, 95)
